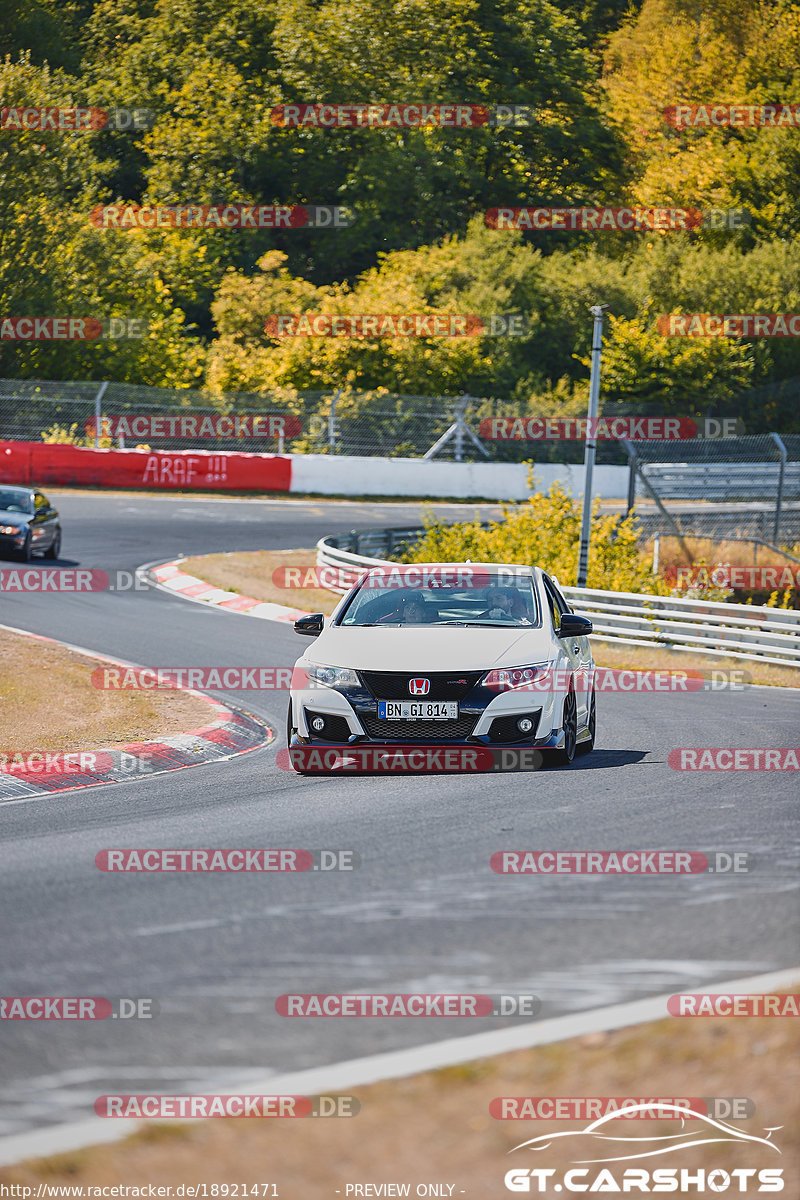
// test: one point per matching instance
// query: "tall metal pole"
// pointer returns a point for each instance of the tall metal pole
(98, 400)
(597, 311)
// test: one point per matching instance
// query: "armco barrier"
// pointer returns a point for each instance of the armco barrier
(761, 634)
(41, 463)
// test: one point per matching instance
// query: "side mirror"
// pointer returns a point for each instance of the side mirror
(310, 626)
(574, 626)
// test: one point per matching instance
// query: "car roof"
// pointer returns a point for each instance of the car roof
(490, 568)
(16, 487)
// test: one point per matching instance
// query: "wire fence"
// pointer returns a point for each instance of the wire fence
(746, 487)
(730, 486)
(339, 421)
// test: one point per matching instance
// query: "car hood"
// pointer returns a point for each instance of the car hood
(14, 518)
(437, 648)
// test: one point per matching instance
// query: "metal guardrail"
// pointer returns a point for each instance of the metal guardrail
(757, 633)
(720, 480)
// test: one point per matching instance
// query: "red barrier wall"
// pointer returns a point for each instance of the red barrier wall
(39, 463)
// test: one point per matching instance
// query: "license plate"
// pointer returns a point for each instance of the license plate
(418, 710)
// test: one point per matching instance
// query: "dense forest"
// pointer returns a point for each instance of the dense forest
(190, 93)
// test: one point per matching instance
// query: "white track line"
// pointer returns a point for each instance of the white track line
(396, 1064)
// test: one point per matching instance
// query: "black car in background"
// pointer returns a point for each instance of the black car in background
(28, 524)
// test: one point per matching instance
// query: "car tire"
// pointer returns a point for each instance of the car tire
(26, 553)
(54, 549)
(564, 756)
(587, 746)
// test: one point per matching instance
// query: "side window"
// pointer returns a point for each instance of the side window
(565, 608)
(556, 606)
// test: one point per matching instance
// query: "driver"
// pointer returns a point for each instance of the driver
(499, 605)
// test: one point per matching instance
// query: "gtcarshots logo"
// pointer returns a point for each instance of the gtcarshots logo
(408, 1004)
(76, 1008)
(615, 1142)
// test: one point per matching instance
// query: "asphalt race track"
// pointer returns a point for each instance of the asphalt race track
(422, 913)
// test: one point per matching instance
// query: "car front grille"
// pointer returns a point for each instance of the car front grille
(412, 731)
(445, 685)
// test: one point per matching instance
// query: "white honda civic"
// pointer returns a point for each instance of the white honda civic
(445, 654)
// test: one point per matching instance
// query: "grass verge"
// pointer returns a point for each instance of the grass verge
(48, 702)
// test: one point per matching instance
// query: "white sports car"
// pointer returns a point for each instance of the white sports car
(447, 654)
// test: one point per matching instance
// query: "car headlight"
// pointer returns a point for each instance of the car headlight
(332, 677)
(527, 678)
(10, 529)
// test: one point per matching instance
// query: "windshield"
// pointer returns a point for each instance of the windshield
(510, 602)
(15, 500)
